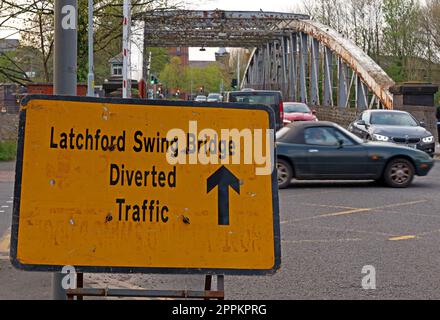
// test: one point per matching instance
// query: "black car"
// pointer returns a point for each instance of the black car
(326, 151)
(273, 99)
(393, 126)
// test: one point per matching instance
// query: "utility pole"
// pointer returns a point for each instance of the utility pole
(126, 52)
(91, 75)
(65, 76)
(149, 67)
(238, 70)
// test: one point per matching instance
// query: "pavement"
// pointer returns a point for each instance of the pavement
(330, 231)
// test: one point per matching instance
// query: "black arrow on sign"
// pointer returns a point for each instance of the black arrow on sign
(223, 179)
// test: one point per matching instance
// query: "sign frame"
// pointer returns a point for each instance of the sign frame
(145, 270)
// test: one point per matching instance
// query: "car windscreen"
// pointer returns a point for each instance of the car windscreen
(393, 119)
(282, 133)
(296, 107)
(351, 135)
(254, 99)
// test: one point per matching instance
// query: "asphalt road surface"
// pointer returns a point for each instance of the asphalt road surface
(330, 231)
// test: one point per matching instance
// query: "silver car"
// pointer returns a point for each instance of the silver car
(215, 97)
(200, 99)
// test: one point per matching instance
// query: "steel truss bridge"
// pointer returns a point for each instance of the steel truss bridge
(306, 60)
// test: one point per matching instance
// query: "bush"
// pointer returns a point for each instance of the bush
(8, 150)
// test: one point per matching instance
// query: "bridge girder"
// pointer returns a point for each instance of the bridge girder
(298, 75)
(292, 53)
(216, 28)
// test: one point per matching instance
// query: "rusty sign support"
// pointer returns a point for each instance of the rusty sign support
(206, 294)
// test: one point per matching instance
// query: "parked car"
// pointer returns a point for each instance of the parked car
(273, 99)
(298, 111)
(215, 97)
(394, 126)
(200, 99)
(325, 151)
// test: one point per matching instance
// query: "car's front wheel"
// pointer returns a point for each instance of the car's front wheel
(285, 173)
(399, 173)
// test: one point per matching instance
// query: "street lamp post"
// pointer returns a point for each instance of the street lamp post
(91, 75)
(238, 70)
(65, 77)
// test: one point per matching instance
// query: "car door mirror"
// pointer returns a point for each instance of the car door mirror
(422, 124)
(361, 123)
(314, 112)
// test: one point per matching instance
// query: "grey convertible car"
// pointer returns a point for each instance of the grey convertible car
(326, 151)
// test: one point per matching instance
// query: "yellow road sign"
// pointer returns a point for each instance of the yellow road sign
(110, 185)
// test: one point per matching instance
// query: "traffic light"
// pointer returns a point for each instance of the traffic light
(154, 80)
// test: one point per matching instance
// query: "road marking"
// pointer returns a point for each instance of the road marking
(402, 238)
(359, 231)
(312, 193)
(5, 242)
(9, 201)
(4, 206)
(328, 206)
(361, 210)
(335, 214)
(401, 204)
(321, 241)
(343, 213)
(428, 232)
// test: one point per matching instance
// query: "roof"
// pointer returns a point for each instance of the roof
(8, 44)
(200, 64)
(307, 124)
(296, 132)
(386, 110)
(116, 59)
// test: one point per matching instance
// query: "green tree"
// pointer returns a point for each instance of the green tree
(174, 75)
(402, 34)
(159, 59)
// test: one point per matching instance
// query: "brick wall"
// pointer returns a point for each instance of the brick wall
(417, 99)
(8, 126)
(341, 116)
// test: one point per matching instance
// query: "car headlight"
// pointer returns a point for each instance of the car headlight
(380, 137)
(429, 139)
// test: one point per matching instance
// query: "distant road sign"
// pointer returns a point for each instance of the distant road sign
(111, 185)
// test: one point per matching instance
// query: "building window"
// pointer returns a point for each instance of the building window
(178, 51)
(117, 69)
